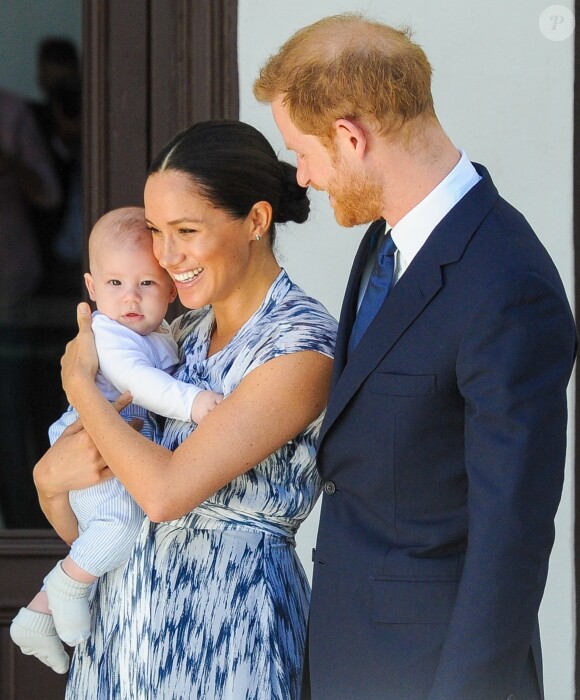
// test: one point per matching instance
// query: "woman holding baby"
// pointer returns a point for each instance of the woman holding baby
(213, 601)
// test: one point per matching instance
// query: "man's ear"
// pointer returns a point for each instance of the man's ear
(350, 137)
(90, 285)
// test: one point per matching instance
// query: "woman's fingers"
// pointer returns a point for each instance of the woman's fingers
(84, 317)
(122, 401)
(80, 358)
(73, 428)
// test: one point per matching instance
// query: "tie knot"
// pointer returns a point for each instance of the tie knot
(387, 248)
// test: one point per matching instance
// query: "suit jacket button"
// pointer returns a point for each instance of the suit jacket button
(329, 487)
(511, 697)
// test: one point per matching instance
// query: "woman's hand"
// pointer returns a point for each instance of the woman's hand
(80, 361)
(73, 462)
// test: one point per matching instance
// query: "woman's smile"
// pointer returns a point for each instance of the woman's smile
(185, 277)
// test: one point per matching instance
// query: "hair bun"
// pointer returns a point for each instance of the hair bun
(294, 204)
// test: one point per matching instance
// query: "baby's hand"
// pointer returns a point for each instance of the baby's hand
(203, 403)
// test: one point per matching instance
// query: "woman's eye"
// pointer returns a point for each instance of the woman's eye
(186, 231)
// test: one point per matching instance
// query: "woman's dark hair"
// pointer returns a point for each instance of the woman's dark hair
(234, 166)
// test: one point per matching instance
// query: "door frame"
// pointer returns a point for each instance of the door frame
(576, 217)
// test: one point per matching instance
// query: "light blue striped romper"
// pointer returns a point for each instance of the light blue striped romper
(213, 606)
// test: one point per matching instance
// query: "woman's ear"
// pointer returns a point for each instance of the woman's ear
(90, 285)
(172, 292)
(350, 137)
(260, 219)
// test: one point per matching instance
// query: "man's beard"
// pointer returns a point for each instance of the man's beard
(357, 198)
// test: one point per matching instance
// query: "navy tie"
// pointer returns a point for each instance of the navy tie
(377, 290)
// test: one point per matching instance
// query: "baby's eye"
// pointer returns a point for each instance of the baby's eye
(115, 283)
(147, 283)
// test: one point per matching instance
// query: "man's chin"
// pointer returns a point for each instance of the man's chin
(348, 219)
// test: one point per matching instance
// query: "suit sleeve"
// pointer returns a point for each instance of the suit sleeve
(125, 362)
(513, 367)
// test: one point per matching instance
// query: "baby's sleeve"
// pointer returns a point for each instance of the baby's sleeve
(126, 360)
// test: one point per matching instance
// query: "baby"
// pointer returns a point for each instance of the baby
(136, 354)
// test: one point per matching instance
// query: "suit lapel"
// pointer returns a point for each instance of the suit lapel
(349, 307)
(417, 287)
(405, 302)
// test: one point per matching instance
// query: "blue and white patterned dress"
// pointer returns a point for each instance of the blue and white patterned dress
(213, 606)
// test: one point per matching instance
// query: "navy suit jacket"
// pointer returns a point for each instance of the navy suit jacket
(442, 455)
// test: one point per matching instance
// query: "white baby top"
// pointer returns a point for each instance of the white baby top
(141, 364)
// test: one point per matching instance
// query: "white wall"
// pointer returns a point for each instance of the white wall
(504, 92)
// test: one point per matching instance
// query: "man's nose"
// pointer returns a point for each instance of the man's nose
(302, 176)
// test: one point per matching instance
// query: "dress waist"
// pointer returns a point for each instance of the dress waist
(208, 516)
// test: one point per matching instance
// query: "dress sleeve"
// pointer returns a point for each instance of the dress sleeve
(298, 326)
(129, 364)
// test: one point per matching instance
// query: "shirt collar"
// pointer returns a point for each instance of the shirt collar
(411, 232)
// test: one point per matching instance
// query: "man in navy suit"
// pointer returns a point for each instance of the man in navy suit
(442, 452)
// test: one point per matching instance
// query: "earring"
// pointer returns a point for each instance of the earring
(258, 237)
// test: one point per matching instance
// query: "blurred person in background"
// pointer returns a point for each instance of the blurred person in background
(58, 117)
(27, 179)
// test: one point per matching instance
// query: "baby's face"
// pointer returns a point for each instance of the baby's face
(128, 286)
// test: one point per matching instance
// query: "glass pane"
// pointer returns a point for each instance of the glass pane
(41, 234)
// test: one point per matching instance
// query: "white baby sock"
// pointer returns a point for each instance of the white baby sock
(35, 634)
(68, 600)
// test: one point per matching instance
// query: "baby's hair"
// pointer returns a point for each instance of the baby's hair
(123, 227)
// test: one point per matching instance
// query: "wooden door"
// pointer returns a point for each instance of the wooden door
(150, 68)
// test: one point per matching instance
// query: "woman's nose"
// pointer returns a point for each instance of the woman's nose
(167, 253)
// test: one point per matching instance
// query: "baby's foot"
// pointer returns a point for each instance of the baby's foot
(68, 601)
(35, 634)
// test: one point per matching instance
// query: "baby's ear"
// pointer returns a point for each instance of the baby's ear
(90, 286)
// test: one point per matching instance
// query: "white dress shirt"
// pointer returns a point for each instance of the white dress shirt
(412, 231)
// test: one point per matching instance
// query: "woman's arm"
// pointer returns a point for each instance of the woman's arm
(270, 406)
